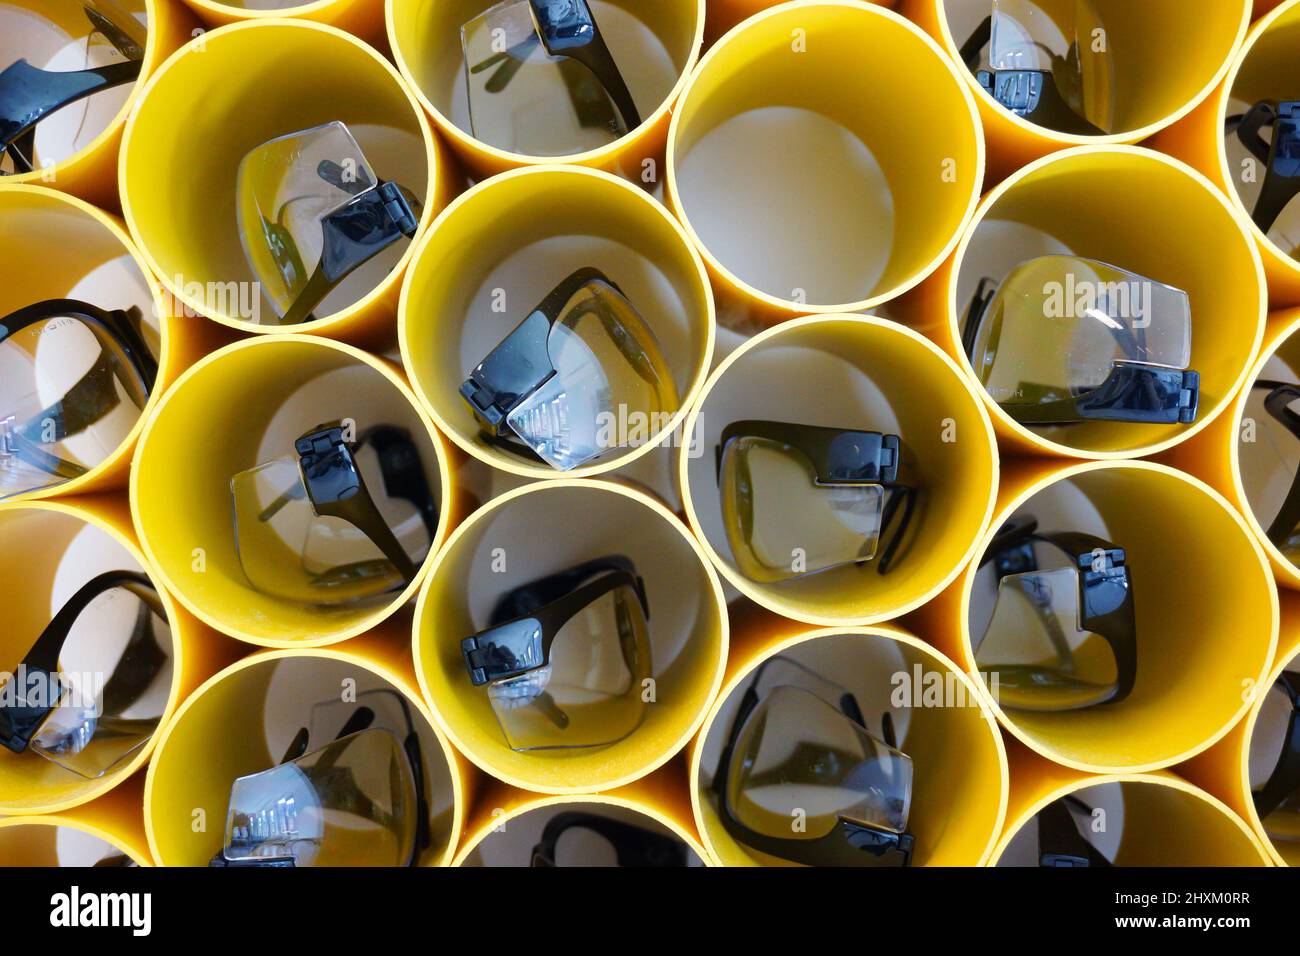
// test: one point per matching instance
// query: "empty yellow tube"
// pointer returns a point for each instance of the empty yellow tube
(959, 766)
(52, 547)
(1167, 821)
(240, 721)
(1162, 64)
(426, 44)
(240, 407)
(114, 818)
(529, 533)
(178, 180)
(1175, 531)
(870, 177)
(500, 248)
(861, 373)
(91, 172)
(1107, 203)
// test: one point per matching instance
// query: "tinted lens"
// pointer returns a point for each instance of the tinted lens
(798, 760)
(590, 693)
(611, 387)
(351, 803)
(69, 396)
(1269, 464)
(1056, 37)
(1057, 324)
(289, 551)
(1036, 648)
(285, 190)
(524, 100)
(116, 674)
(68, 36)
(781, 523)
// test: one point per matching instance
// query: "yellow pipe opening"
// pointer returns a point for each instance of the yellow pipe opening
(362, 18)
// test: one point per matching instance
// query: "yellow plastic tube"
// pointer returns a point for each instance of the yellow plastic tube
(1198, 654)
(91, 172)
(258, 80)
(75, 838)
(1163, 64)
(850, 371)
(51, 549)
(530, 532)
(500, 248)
(1166, 821)
(959, 766)
(1261, 68)
(242, 406)
(59, 247)
(725, 14)
(507, 822)
(811, 184)
(241, 721)
(649, 34)
(362, 18)
(1129, 207)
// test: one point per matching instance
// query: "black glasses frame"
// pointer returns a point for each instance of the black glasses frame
(1277, 403)
(1134, 392)
(1060, 844)
(634, 846)
(1285, 777)
(19, 723)
(1106, 605)
(841, 456)
(1281, 157)
(848, 840)
(526, 621)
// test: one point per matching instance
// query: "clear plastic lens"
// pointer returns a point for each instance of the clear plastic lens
(1057, 324)
(611, 386)
(1056, 37)
(69, 397)
(350, 803)
(522, 99)
(799, 758)
(285, 190)
(115, 673)
(288, 551)
(1036, 649)
(590, 694)
(781, 523)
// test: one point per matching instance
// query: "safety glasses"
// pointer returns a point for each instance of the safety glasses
(91, 690)
(564, 657)
(1280, 154)
(541, 80)
(630, 845)
(1043, 69)
(797, 499)
(1064, 339)
(73, 381)
(359, 799)
(1060, 842)
(311, 211)
(556, 387)
(803, 779)
(309, 529)
(1062, 632)
(1278, 801)
(1271, 464)
(106, 45)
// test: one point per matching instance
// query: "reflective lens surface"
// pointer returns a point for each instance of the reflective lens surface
(288, 551)
(115, 673)
(1035, 648)
(1056, 37)
(351, 803)
(590, 693)
(800, 765)
(1057, 325)
(522, 99)
(69, 397)
(285, 189)
(781, 523)
(611, 387)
